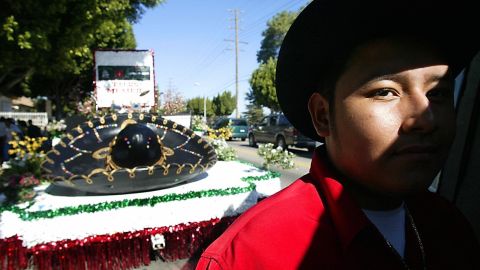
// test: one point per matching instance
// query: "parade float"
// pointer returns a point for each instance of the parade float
(126, 189)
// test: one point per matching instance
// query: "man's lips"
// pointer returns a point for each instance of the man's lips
(416, 149)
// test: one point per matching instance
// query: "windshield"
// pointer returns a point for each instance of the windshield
(283, 121)
(239, 122)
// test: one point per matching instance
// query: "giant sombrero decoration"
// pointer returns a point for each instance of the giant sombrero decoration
(123, 153)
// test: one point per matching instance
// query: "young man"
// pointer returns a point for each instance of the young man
(374, 81)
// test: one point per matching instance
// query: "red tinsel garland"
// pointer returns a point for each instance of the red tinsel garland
(115, 251)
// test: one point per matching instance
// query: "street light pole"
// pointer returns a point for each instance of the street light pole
(205, 109)
(204, 105)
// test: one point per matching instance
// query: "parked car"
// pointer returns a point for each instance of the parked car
(277, 129)
(239, 127)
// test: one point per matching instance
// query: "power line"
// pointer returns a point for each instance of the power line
(236, 15)
(258, 22)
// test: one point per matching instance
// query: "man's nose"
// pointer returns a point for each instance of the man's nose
(419, 116)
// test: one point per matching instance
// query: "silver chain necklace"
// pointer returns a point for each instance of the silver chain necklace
(419, 241)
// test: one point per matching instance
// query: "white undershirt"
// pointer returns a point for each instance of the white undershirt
(391, 224)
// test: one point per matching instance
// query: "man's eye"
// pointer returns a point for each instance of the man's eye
(384, 92)
(440, 93)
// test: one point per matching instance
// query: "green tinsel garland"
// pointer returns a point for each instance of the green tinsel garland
(268, 175)
(105, 206)
(152, 201)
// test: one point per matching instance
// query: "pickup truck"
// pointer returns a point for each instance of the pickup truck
(276, 129)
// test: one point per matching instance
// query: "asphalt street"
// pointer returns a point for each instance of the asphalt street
(302, 160)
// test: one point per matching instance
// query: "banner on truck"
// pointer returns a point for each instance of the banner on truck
(124, 79)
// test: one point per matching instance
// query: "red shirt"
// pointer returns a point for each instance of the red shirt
(315, 224)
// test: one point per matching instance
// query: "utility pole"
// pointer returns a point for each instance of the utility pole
(235, 12)
(237, 114)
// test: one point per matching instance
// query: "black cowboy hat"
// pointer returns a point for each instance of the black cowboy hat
(124, 153)
(326, 31)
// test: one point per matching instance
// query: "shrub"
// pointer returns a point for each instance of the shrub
(223, 150)
(275, 156)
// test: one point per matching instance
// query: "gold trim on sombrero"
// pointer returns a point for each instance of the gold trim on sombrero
(95, 132)
(97, 171)
(151, 170)
(87, 179)
(179, 168)
(166, 152)
(111, 170)
(131, 172)
(165, 169)
(101, 153)
(126, 123)
(192, 170)
(49, 160)
(64, 169)
(79, 129)
(110, 174)
(80, 150)
(72, 157)
(70, 144)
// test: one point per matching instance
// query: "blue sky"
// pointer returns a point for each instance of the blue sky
(188, 38)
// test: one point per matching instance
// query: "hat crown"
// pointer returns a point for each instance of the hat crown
(320, 41)
(136, 145)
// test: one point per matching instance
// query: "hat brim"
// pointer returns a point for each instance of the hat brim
(326, 31)
(80, 160)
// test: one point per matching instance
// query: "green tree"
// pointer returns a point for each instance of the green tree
(195, 105)
(53, 42)
(253, 114)
(262, 82)
(277, 28)
(262, 86)
(224, 103)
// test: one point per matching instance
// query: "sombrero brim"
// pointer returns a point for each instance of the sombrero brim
(326, 31)
(79, 161)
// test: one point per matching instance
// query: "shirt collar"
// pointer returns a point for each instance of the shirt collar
(347, 217)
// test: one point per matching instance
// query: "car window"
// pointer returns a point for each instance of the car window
(283, 121)
(220, 123)
(239, 122)
(264, 121)
(273, 120)
(225, 122)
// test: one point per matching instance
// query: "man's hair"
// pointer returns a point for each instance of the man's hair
(326, 85)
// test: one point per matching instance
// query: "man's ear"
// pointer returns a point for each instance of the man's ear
(319, 112)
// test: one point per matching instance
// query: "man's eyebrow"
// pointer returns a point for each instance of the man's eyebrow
(401, 79)
(385, 77)
(441, 78)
